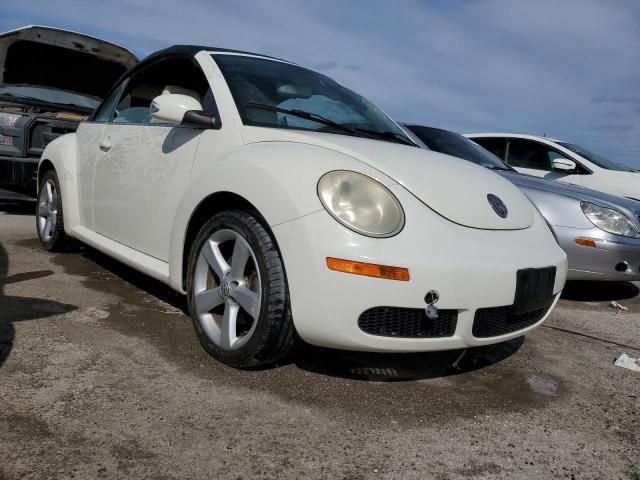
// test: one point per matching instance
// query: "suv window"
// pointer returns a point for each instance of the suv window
(176, 75)
(530, 154)
(497, 146)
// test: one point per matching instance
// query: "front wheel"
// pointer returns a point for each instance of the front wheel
(237, 292)
(49, 217)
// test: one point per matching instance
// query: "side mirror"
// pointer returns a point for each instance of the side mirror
(564, 165)
(180, 110)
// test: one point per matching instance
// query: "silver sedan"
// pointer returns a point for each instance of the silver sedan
(599, 232)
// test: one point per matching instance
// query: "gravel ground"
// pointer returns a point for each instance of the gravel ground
(101, 376)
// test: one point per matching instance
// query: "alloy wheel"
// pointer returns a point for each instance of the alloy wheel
(227, 289)
(47, 210)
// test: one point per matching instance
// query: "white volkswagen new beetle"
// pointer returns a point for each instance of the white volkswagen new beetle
(285, 205)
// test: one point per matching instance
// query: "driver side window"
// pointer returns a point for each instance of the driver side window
(172, 75)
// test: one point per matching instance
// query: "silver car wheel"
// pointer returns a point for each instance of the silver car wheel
(47, 210)
(227, 289)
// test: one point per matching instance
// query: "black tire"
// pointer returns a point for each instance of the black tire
(58, 241)
(274, 334)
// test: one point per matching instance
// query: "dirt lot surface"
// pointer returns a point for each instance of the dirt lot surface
(101, 376)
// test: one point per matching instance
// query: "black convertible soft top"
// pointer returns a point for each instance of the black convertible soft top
(193, 49)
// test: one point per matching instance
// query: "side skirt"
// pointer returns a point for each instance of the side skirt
(133, 258)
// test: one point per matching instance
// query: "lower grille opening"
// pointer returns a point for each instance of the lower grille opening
(407, 322)
(496, 321)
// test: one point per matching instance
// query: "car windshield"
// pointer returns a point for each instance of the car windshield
(599, 160)
(456, 145)
(48, 95)
(270, 93)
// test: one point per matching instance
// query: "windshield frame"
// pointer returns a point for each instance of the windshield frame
(241, 104)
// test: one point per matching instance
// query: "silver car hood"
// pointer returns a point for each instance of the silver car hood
(536, 188)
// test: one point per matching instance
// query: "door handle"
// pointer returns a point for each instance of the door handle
(105, 145)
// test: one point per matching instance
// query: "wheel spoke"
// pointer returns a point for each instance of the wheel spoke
(239, 258)
(47, 227)
(43, 210)
(208, 300)
(214, 258)
(248, 300)
(228, 330)
(49, 191)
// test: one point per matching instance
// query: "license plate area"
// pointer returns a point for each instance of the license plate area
(534, 289)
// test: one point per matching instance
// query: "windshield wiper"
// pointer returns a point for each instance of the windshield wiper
(360, 132)
(310, 116)
(388, 135)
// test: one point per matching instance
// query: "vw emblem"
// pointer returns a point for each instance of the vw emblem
(498, 205)
(432, 297)
(224, 289)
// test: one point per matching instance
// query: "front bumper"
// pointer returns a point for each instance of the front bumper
(470, 268)
(614, 258)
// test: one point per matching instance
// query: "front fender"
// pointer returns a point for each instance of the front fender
(62, 154)
(278, 178)
(558, 209)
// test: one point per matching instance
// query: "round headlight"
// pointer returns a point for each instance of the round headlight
(609, 220)
(361, 203)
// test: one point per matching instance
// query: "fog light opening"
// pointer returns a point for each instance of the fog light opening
(622, 267)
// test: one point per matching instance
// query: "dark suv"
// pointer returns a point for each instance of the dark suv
(50, 80)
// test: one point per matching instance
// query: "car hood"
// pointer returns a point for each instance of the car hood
(582, 194)
(59, 59)
(453, 188)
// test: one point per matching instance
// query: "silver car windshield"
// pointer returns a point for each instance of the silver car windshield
(276, 94)
(456, 145)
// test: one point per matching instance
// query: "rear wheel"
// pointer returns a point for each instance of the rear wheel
(49, 216)
(237, 292)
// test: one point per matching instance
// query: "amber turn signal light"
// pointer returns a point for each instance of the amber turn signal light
(585, 242)
(368, 269)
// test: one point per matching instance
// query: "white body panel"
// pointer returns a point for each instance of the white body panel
(471, 269)
(135, 200)
(619, 183)
(139, 183)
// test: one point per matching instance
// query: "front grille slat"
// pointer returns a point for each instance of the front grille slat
(407, 322)
(496, 321)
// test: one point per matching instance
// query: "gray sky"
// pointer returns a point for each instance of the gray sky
(567, 68)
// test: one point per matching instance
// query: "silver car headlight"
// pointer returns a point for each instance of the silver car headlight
(609, 220)
(361, 203)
